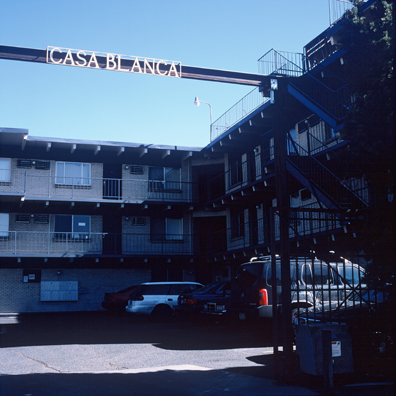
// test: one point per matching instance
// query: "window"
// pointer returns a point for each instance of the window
(164, 178)
(166, 229)
(292, 141)
(73, 174)
(330, 134)
(235, 167)
(5, 170)
(152, 290)
(237, 223)
(4, 224)
(72, 227)
(305, 194)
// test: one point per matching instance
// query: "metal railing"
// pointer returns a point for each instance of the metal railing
(281, 63)
(133, 190)
(250, 102)
(62, 244)
(330, 93)
(320, 178)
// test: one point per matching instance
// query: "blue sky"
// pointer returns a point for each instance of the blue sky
(76, 103)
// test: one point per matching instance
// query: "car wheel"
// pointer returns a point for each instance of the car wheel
(162, 311)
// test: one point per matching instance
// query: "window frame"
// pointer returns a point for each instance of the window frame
(235, 170)
(5, 172)
(162, 182)
(163, 235)
(4, 225)
(73, 234)
(237, 223)
(82, 181)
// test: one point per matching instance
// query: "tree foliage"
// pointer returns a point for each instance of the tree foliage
(369, 41)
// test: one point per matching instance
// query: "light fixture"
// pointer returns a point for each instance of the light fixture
(197, 102)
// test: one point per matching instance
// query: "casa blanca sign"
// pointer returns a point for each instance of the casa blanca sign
(115, 62)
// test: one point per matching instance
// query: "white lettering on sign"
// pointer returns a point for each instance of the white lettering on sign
(116, 62)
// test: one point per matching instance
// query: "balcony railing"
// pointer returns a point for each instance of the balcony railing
(238, 112)
(21, 182)
(57, 244)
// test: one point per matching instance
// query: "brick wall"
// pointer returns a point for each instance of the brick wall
(17, 296)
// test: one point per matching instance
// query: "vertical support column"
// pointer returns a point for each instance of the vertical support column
(282, 197)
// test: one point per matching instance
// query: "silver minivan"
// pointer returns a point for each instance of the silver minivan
(313, 282)
(158, 298)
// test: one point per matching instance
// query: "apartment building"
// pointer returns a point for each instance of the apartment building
(79, 218)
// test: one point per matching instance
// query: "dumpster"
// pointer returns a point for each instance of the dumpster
(309, 348)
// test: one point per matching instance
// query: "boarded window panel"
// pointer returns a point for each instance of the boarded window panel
(63, 223)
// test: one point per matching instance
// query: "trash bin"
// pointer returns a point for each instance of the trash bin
(309, 348)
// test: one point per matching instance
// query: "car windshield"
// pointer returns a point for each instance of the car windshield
(210, 288)
(126, 290)
(248, 274)
(351, 274)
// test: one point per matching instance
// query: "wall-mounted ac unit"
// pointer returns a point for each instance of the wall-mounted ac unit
(138, 221)
(136, 169)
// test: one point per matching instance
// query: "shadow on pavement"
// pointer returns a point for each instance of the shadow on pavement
(104, 328)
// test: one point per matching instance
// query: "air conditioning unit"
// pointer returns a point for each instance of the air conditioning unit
(138, 221)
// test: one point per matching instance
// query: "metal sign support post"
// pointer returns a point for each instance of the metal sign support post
(278, 94)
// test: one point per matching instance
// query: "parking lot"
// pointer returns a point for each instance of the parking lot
(50, 348)
(99, 353)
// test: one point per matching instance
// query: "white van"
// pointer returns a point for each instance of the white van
(158, 298)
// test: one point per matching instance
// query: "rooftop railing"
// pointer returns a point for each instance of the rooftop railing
(252, 101)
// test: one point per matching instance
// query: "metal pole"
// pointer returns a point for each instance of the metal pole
(283, 204)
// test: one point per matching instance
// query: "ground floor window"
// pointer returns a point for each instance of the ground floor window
(72, 227)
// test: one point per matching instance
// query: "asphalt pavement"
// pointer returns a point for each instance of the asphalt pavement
(39, 343)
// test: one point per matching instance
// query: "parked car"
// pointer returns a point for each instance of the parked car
(313, 282)
(193, 303)
(350, 273)
(158, 298)
(219, 307)
(118, 301)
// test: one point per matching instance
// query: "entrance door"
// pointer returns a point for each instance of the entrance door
(253, 226)
(112, 227)
(112, 174)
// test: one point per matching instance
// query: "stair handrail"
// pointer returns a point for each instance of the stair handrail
(299, 149)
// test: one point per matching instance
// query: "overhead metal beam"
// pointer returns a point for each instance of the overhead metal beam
(189, 72)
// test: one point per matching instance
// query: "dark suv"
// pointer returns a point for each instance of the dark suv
(313, 282)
